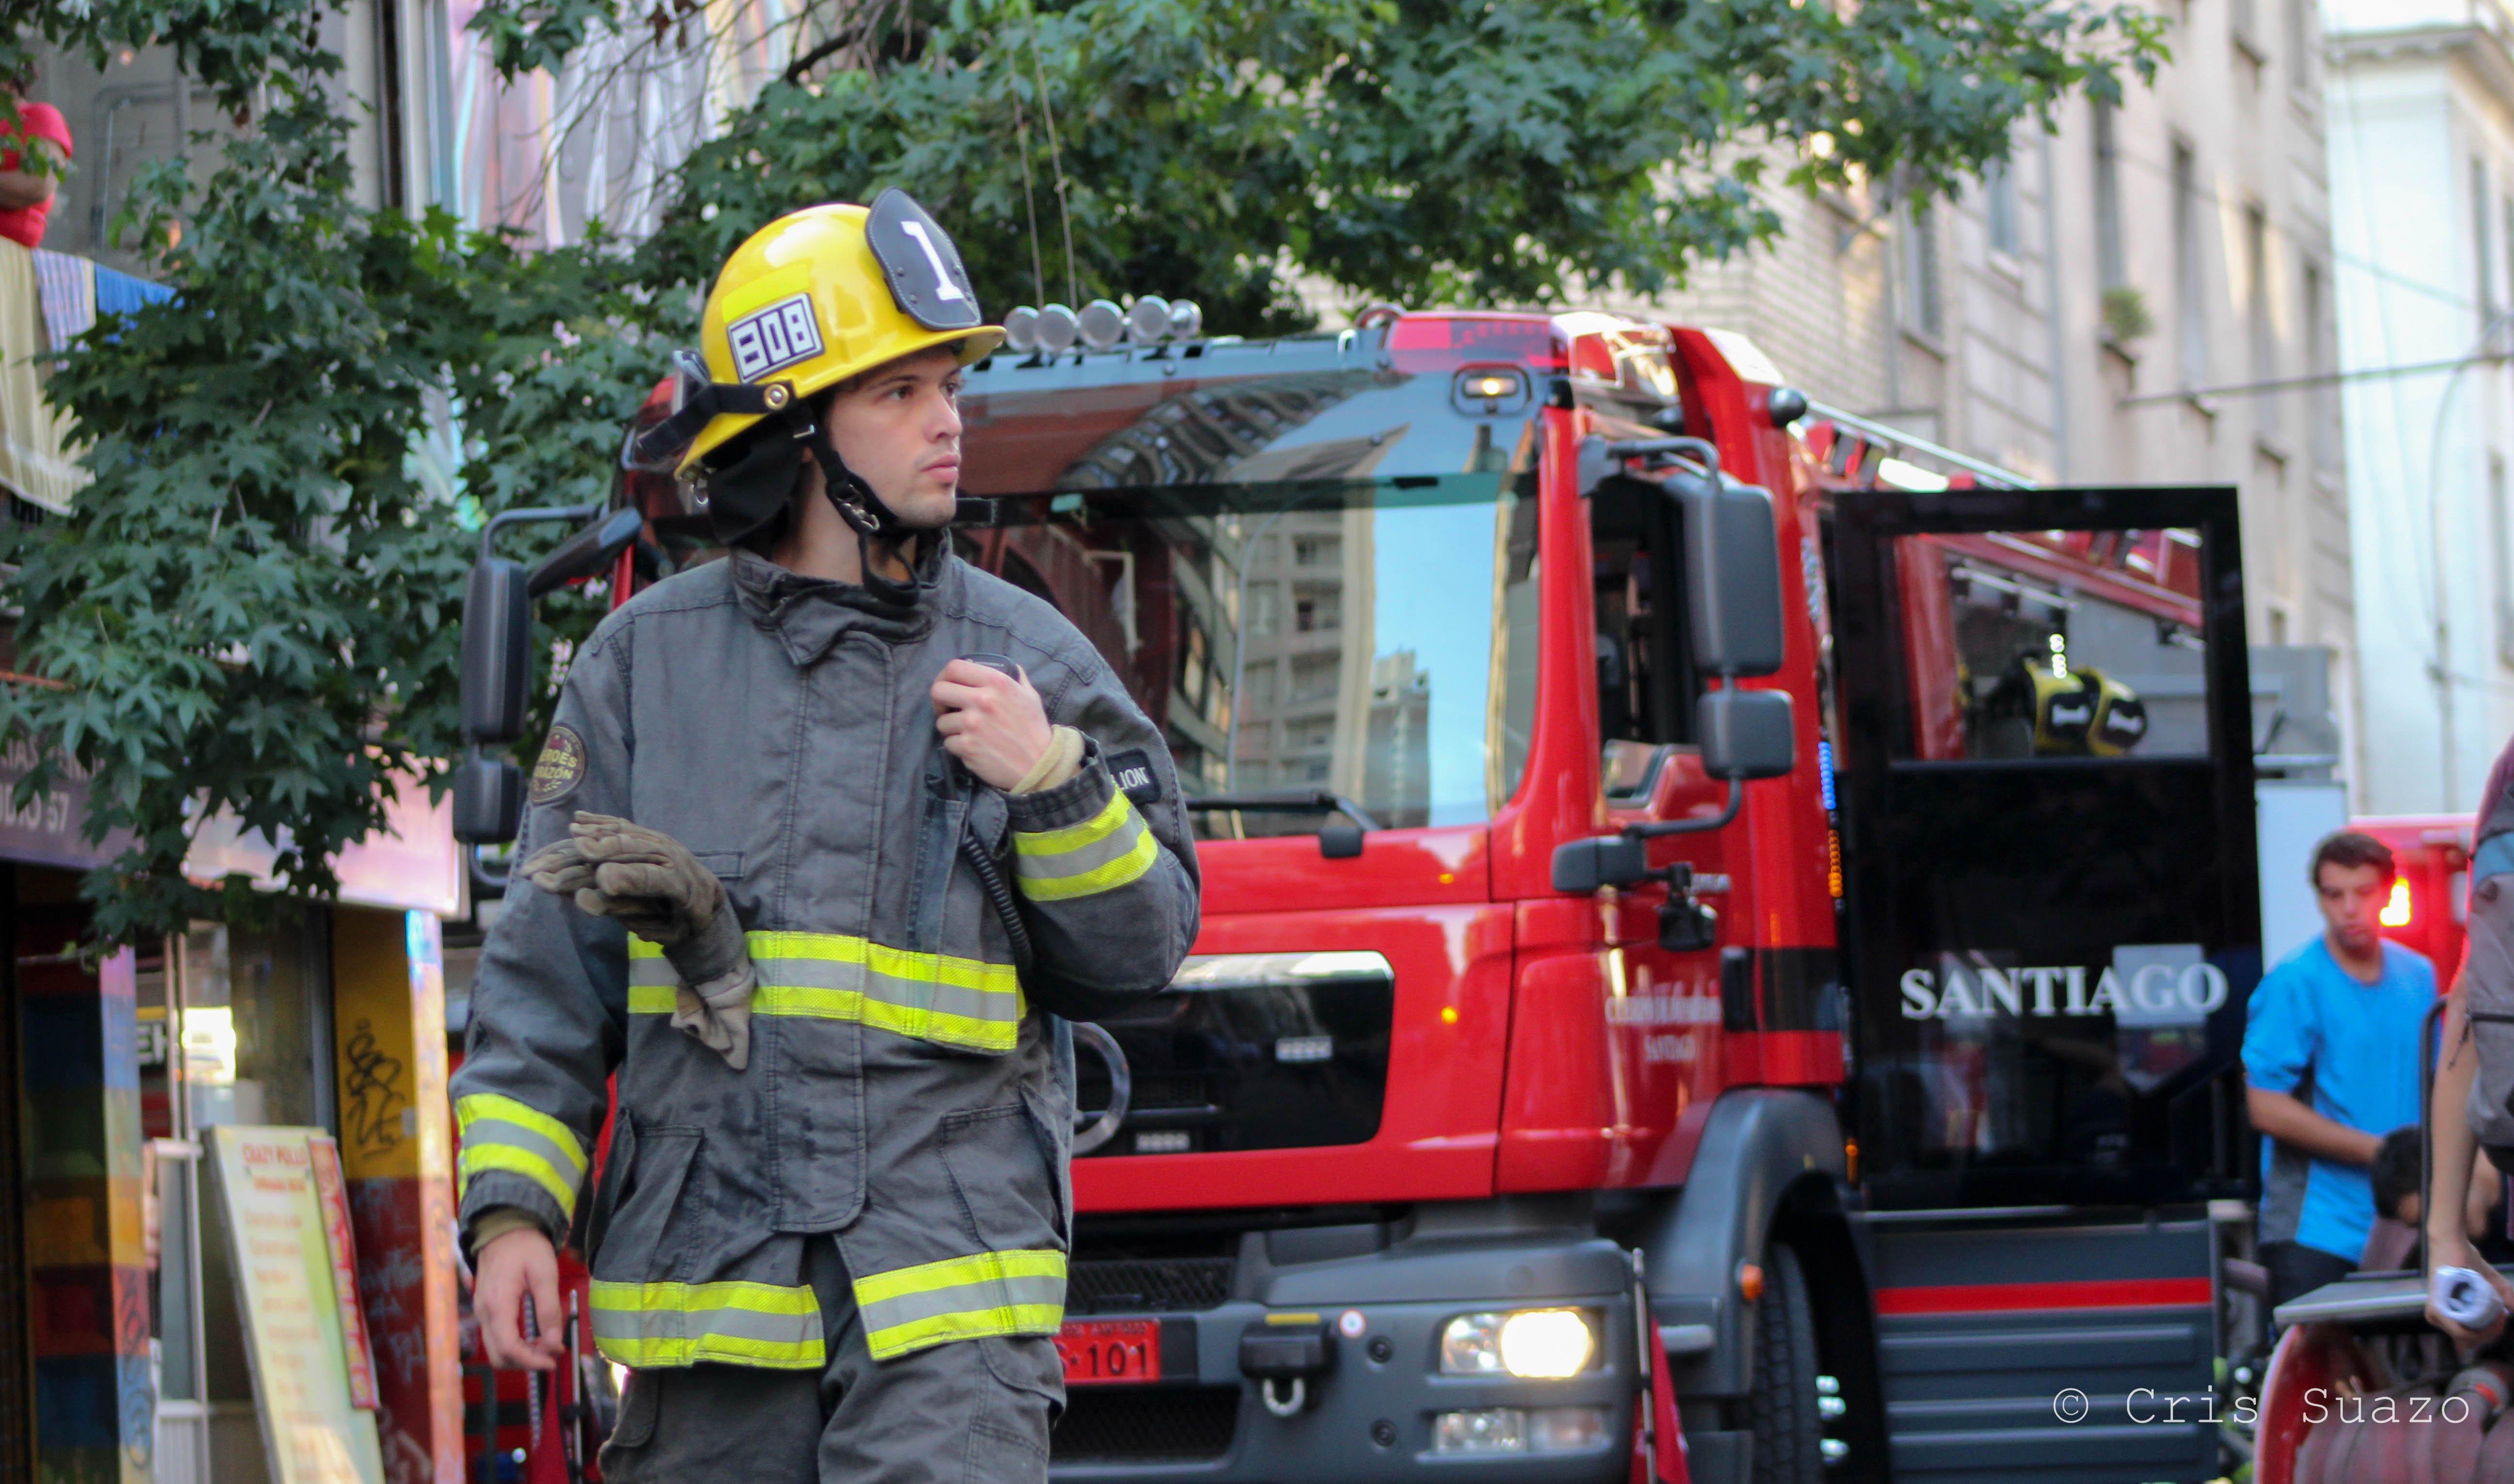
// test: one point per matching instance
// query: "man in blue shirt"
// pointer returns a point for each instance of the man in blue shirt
(2331, 1054)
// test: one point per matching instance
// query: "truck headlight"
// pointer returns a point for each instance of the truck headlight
(1531, 1344)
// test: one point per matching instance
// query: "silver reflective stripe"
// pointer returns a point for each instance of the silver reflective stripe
(1021, 1291)
(678, 1324)
(501, 1134)
(1112, 849)
(841, 977)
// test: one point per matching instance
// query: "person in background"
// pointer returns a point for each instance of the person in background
(2331, 1060)
(32, 157)
(2400, 1206)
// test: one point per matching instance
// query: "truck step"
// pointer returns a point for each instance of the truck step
(2079, 1354)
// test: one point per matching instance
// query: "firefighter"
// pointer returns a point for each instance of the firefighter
(818, 887)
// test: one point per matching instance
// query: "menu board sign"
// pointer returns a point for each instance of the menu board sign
(302, 1374)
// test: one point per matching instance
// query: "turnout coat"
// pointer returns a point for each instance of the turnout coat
(907, 1092)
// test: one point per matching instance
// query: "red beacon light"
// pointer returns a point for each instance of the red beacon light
(2397, 911)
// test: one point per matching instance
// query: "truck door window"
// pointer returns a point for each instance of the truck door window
(1647, 684)
(2053, 644)
(2048, 857)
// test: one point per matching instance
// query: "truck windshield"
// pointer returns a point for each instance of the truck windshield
(1373, 638)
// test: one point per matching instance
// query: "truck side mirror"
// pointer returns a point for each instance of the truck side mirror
(488, 800)
(1732, 563)
(1745, 734)
(1584, 866)
(587, 553)
(497, 624)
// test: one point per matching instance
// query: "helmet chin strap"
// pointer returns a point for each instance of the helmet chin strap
(873, 522)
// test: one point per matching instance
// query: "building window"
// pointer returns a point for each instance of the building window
(1921, 310)
(1999, 207)
(2190, 269)
(2321, 404)
(2500, 558)
(2257, 312)
(2483, 256)
(2108, 228)
(2509, 243)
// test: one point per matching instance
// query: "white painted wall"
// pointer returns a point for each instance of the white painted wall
(2019, 372)
(2420, 94)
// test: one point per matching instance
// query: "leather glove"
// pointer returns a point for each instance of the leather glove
(650, 882)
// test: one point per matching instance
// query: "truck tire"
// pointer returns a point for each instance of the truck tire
(1788, 1427)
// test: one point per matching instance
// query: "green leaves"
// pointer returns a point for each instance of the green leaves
(1514, 152)
(255, 606)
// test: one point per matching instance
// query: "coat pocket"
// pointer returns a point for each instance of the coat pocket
(611, 1180)
(646, 1234)
(1000, 1173)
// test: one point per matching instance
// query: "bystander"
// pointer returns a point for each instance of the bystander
(2330, 1056)
(32, 157)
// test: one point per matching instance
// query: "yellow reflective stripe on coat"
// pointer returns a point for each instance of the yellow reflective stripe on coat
(841, 977)
(992, 1293)
(679, 1324)
(501, 1134)
(1109, 850)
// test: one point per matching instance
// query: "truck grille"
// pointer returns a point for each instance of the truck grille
(1147, 1285)
(1102, 1425)
(1252, 1050)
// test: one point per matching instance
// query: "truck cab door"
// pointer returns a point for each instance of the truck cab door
(2051, 932)
(2049, 878)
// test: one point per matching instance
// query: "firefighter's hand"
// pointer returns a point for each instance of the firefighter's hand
(993, 722)
(513, 1265)
(2457, 1253)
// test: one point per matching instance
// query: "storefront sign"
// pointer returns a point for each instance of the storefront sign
(45, 829)
(412, 865)
(285, 1276)
(343, 1249)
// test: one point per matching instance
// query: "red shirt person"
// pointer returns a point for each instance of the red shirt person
(26, 190)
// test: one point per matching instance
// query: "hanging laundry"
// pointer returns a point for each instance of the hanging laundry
(68, 286)
(35, 458)
(119, 293)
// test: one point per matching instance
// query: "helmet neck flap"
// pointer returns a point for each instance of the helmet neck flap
(752, 491)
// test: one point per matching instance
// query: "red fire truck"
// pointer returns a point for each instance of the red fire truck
(1715, 963)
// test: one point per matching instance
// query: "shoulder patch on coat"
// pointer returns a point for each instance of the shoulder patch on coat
(1133, 772)
(561, 765)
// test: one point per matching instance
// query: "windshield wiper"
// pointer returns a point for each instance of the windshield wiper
(1336, 842)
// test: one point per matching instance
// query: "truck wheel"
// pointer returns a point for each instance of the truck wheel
(1788, 1427)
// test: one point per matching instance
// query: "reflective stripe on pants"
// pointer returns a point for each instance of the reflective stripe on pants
(992, 1293)
(679, 1324)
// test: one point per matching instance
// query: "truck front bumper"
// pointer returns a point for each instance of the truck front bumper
(1376, 1412)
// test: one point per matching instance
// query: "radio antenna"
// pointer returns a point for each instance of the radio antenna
(1021, 125)
(1055, 157)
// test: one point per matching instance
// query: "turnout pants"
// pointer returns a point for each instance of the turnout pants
(969, 1412)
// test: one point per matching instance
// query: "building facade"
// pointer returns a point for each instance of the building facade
(2421, 141)
(2106, 309)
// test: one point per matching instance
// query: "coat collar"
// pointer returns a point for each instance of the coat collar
(810, 614)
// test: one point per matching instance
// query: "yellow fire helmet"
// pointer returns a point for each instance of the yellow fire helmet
(813, 298)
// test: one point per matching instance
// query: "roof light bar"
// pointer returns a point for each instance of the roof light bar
(1102, 325)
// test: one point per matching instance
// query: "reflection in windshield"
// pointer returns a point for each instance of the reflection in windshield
(1369, 638)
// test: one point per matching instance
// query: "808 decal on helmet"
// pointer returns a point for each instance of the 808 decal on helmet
(775, 337)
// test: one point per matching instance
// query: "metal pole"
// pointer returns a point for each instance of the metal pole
(1910, 444)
